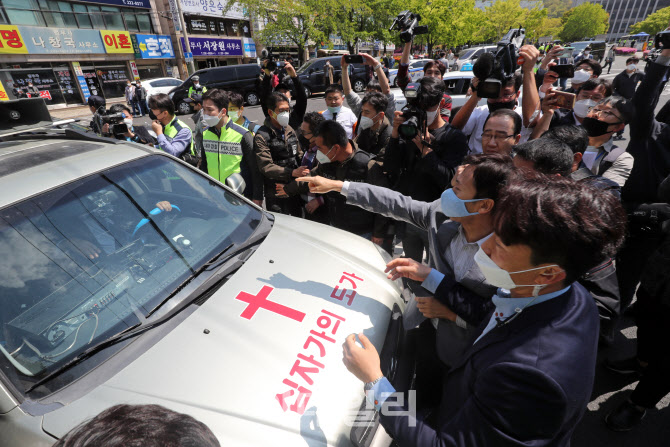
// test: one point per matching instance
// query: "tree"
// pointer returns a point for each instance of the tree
(288, 21)
(535, 23)
(556, 8)
(654, 23)
(503, 15)
(585, 20)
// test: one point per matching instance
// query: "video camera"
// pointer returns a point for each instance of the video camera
(494, 69)
(413, 114)
(115, 121)
(407, 23)
(268, 58)
(662, 40)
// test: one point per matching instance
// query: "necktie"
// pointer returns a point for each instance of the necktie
(334, 116)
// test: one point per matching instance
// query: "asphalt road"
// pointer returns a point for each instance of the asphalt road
(610, 389)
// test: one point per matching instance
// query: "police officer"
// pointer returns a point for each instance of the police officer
(228, 148)
(279, 155)
(340, 159)
(196, 88)
(174, 136)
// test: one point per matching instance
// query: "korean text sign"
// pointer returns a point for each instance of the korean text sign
(212, 46)
(11, 41)
(152, 46)
(61, 40)
(117, 42)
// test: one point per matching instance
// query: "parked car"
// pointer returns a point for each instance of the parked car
(311, 74)
(415, 71)
(243, 79)
(159, 85)
(469, 55)
(598, 48)
(456, 84)
(106, 299)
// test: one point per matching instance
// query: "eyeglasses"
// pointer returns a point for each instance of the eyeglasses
(495, 136)
(606, 113)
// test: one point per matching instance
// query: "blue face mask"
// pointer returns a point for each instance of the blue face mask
(452, 206)
(335, 109)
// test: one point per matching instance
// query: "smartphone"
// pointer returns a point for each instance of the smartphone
(353, 59)
(565, 100)
(564, 70)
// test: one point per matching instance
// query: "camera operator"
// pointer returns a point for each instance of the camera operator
(96, 105)
(136, 134)
(422, 168)
(649, 142)
(298, 109)
(470, 118)
(435, 69)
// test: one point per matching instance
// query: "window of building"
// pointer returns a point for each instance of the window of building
(113, 17)
(96, 17)
(144, 22)
(82, 16)
(18, 12)
(131, 21)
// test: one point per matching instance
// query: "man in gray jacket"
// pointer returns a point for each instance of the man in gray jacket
(457, 224)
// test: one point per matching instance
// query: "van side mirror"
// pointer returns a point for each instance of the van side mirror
(236, 183)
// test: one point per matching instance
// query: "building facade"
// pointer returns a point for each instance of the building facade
(624, 13)
(69, 50)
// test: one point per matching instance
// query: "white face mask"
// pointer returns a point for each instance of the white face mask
(501, 278)
(128, 122)
(581, 76)
(366, 123)
(430, 116)
(322, 158)
(211, 120)
(283, 118)
(234, 115)
(631, 67)
(583, 106)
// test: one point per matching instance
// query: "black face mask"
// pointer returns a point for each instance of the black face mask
(493, 106)
(304, 143)
(595, 127)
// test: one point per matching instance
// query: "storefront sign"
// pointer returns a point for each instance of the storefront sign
(117, 42)
(81, 80)
(175, 15)
(11, 41)
(214, 8)
(61, 40)
(133, 68)
(132, 3)
(249, 47)
(212, 46)
(3, 93)
(152, 46)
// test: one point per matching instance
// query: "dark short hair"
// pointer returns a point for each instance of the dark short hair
(218, 96)
(570, 224)
(332, 133)
(274, 99)
(511, 114)
(282, 87)
(373, 84)
(146, 425)
(378, 101)
(595, 66)
(334, 88)
(432, 92)
(161, 101)
(118, 108)
(440, 66)
(235, 99)
(491, 173)
(96, 101)
(622, 105)
(632, 59)
(313, 119)
(517, 80)
(575, 137)
(593, 84)
(548, 155)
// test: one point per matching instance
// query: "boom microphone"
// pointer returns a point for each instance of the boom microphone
(483, 66)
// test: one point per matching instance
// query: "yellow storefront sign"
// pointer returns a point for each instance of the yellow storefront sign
(117, 41)
(3, 93)
(11, 41)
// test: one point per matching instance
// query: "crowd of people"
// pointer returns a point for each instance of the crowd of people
(528, 228)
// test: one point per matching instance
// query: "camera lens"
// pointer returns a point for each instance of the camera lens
(410, 128)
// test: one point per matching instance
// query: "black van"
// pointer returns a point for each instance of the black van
(598, 48)
(311, 74)
(243, 79)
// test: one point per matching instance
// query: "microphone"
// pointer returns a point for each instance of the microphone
(483, 66)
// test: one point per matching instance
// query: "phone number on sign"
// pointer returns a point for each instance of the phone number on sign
(132, 3)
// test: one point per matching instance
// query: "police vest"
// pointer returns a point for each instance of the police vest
(223, 152)
(284, 153)
(200, 90)
(171, 130)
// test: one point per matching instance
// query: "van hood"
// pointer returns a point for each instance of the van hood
(230, 366)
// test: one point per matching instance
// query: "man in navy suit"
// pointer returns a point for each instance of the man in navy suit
(528, 376)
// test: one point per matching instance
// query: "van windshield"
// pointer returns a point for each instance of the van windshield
(306, 66)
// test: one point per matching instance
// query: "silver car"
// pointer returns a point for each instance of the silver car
(128, 276)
